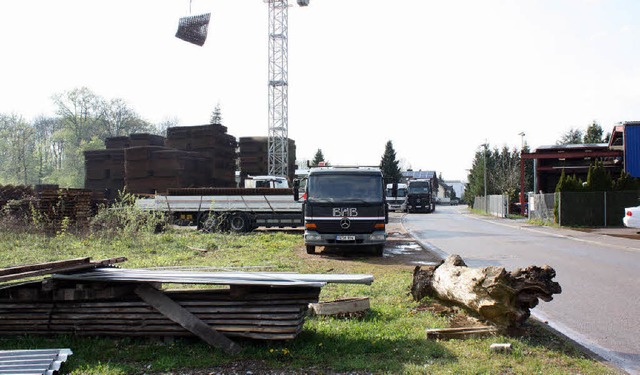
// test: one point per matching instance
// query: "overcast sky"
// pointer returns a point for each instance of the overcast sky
(437, 78)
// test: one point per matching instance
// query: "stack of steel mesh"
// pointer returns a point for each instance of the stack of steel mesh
(193, 29)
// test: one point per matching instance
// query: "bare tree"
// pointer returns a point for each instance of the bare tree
(119, 119)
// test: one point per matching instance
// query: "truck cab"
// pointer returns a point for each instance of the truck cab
(345, 207)
(271, 182)
(397, 197)
(420, 196)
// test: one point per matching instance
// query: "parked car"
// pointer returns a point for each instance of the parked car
(631, 217)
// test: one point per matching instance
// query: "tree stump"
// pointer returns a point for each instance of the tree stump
(501, 297)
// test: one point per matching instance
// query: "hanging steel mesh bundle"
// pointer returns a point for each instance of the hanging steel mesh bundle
(193, 29)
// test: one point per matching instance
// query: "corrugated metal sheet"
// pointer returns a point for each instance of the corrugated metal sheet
(217, 278)
(41, 361)
(632, 149)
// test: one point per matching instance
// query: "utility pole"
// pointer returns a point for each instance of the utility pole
(484, 168)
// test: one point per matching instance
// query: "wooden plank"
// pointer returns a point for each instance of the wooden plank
(41, 266)
(178, 314)
(341, 306)
(61, 269)
(460, 332)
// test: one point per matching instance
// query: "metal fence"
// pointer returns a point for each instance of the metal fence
(578, 209)
(540, 207)
(594, 209)
(496, 205)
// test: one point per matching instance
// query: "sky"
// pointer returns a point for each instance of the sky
(437, 78)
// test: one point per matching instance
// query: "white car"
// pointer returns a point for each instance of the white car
(631, 217)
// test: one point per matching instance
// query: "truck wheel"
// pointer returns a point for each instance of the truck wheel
(239, 222)
(378, 250)
(311, 249)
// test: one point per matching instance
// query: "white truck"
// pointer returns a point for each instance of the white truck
(266, 201)
(397, 200)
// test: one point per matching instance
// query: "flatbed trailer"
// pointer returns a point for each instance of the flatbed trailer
(233, 209)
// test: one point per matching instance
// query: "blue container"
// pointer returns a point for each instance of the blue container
(632, 148)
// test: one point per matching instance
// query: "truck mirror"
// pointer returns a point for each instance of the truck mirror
(296, 189)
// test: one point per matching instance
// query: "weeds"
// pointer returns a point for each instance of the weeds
(124, 217)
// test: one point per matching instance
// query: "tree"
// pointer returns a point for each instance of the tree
(216, 115)
(476, 182)
(82, 114)
(166, 123)
(528, 170)
(18, 145)
(598, 179)
(502, 173)
(119, 119)
(48, 149)
(318, 158)
(505, 176)
(572, 136)
(626, 183)
(593, 134)
(390, 165)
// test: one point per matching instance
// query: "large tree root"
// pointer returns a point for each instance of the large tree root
(501, 297)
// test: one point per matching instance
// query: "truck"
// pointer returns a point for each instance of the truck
(265, 201)
(420, 197)
(397, 197)
(345, 207)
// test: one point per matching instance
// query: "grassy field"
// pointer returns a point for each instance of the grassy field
(388, 339)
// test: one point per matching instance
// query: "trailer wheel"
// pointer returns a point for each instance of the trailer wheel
(239, 222)
(311, 249)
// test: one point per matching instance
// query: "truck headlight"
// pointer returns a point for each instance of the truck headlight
(312, 237)
(378, 237)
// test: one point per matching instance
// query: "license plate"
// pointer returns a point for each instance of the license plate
(345, 238)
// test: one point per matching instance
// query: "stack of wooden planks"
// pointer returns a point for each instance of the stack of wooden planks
(117, 310)
(93, 298)
(57, 205)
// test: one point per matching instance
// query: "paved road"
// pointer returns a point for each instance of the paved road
(600, 275)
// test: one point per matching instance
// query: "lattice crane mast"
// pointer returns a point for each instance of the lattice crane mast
(278, 139)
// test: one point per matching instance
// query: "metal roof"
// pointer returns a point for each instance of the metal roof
(573, 146)
(218, 278)
(40, 361)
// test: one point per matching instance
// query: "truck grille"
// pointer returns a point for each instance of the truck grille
(357, 226)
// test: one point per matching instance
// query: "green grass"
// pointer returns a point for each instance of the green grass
(390, 338)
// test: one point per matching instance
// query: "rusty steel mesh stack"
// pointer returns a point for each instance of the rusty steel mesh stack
(212, 142)
(253, 156)
(193, 29)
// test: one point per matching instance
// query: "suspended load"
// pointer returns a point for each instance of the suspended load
(193, 29)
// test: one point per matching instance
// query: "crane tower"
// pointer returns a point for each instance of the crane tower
(278, 139)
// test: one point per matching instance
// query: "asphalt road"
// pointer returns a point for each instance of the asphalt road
(599, 306)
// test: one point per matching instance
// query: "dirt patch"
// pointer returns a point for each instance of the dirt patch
(401, 248)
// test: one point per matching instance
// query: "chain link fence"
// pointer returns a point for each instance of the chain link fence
(495, 205)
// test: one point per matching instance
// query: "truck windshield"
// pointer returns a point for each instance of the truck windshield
(400, 192)
(367, 188)
(418, 188)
